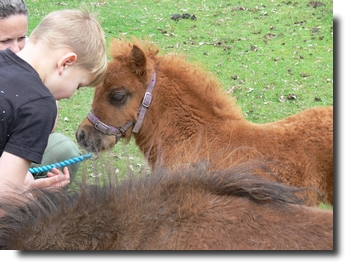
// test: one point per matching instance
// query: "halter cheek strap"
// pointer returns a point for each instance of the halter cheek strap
(145, 103)
(119, 132)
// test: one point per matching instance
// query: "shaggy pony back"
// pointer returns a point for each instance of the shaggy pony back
(190, 209)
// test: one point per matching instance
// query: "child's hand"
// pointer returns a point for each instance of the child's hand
(55, 180)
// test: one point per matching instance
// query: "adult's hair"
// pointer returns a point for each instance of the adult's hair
(79, 31)
(12, 7)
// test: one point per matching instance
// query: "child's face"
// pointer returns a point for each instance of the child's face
(70, 81)
(13, 31)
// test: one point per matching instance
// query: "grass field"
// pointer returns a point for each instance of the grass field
(275, 57)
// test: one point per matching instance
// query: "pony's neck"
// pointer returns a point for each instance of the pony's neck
(185, 91)
(185, 102)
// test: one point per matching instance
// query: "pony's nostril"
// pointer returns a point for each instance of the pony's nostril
(80, 135)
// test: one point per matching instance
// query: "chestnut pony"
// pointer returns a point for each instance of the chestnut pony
(178, 113)
(188, 209)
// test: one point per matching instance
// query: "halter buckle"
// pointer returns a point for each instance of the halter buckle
(100, 126)
(147, 99)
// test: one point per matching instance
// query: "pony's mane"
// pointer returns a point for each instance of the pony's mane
(237, 181)
(201, 83)
(110, 200)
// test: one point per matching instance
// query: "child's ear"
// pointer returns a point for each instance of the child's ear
(65, 61)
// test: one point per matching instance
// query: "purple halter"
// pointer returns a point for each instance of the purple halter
(118, 132)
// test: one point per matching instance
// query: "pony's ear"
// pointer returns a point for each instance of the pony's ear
(137, 62)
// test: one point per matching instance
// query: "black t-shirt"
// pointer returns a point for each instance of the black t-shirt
(27, 109)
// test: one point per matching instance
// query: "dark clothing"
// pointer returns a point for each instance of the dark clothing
(27, 109)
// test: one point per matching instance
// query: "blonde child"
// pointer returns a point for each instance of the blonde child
(66, 51)
(13, 35)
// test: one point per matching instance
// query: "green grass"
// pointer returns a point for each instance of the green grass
(326, 206)
(261, 51)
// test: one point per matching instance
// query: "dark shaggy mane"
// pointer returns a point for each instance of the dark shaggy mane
(237, 181)
(110, 202)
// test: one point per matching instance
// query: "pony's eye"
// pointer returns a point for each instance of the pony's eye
(118, 97)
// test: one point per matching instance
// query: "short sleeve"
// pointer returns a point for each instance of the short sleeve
(31, 126)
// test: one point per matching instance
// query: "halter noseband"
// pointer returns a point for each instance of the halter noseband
(118, 132)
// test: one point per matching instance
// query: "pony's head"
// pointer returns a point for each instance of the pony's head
(120, 101)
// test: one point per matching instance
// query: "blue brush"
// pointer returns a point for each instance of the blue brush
(60, 164)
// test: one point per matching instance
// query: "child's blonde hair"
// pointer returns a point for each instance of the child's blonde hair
(80, 31)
